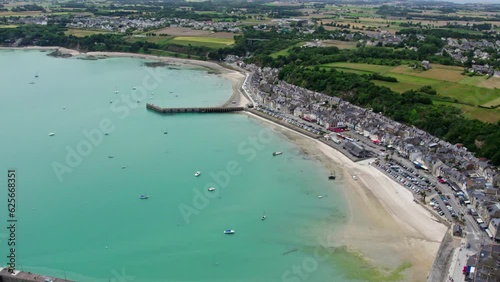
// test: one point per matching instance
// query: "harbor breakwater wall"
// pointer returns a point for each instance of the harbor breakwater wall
(193, 110)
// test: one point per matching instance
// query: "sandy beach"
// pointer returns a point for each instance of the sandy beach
(385, 225)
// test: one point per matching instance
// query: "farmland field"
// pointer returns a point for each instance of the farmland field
(211, 42)
(185, 31)
(438, 72)
(448, 82)
(339, 44)
(83, 32)
(361, 67)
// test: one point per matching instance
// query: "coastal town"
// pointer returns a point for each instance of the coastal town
(463, 50)
(431, 57)
(446, 178)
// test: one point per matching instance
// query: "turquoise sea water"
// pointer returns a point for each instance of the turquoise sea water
(79, 212)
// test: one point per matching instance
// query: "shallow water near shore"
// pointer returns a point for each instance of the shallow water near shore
(79, 210)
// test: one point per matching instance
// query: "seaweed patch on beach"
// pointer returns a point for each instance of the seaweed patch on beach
(91, 58)
(59, 54)
(159, 64)
(355, 266)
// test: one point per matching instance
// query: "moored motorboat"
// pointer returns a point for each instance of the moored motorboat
(229, 231)
(211, 189)
(277, 153)
(196, 174)
(332, 176)
(144, 197)
(52, 134)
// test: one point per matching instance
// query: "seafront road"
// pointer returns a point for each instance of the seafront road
(459, 259)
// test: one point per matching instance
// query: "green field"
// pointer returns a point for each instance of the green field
(284, 52)
(359, 67)
(467, 92)
(211, 42)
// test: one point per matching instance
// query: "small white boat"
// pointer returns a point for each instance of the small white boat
(320, 196)
(263, 217)
(211, 189)
(229, 231)
(354, 177)
(116, 91)
(277, 153)
(144, 197)
(52, 134)
(197, 173)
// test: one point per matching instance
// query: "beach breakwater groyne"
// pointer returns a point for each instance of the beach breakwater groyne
(193, 110)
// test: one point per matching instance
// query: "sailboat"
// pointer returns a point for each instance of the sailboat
(332, 176)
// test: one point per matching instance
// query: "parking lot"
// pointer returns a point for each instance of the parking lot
(417, 182)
